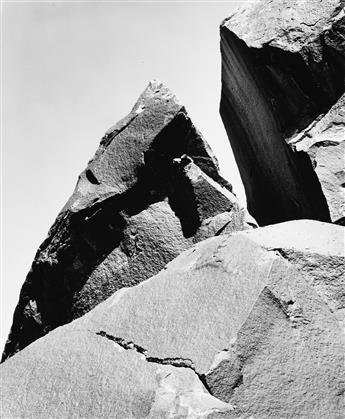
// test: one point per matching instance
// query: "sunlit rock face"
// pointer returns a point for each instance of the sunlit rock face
(283, 71)
(152, 190)
(241, 325)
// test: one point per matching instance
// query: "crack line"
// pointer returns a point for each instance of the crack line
(175, 361)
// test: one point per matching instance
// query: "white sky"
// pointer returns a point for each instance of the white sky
(69, 72)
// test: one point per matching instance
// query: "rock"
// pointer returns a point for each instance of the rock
(317, 250)
(109, 382)
(283, 67)
(238, 326)
(324, 141)
(152, 190)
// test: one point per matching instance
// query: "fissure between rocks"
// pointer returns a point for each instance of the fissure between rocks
(175, 361)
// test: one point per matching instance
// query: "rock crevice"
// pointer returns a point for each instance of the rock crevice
(173, 361)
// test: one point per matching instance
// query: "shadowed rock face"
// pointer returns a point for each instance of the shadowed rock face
(283, 65)
(151, 191)
(239, 326)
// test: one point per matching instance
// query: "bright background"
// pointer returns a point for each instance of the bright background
(69, 72)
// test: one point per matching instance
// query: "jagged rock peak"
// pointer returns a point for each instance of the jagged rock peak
(155, 90)
(145, 137)
(152, 190)
(283, 66)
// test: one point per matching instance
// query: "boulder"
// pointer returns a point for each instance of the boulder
(283, 71)
(152, 190)
(241, 325)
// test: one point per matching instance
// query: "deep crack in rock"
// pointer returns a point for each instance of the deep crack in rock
(173, 361)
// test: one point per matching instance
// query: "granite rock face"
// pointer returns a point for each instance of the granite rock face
(283, 75)
(238, 326)
(151, 191)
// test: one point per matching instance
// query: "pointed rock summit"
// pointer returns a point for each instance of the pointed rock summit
(283, 77)
(152, 190)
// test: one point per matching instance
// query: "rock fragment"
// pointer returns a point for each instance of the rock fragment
(324, 141)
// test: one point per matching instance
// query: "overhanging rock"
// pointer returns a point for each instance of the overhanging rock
(152, 190)
(283, 67)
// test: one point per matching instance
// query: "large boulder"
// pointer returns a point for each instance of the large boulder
(283, 71)
(151, 191)
(239, 326)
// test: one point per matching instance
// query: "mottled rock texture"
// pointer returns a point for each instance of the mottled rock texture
(283, 71)
(151, 191)
(239, 326)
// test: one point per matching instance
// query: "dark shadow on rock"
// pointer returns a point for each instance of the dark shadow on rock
(79, 241)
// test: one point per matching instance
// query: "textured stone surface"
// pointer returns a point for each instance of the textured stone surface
(83, 375)
(151, 191)
(232, 328)
(283, 66)
(317, 250)
(324, 141)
